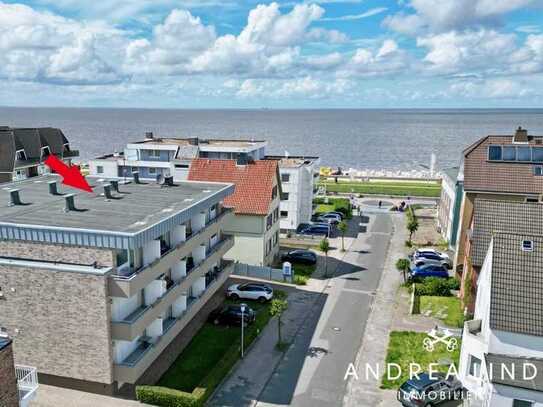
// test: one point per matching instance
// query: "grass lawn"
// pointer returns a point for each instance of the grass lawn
(323, 208)
(446, 309)
(405, 348)
(302, 272)
(426, 189)
(208, 347)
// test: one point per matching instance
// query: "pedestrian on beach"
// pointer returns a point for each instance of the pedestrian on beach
(380, 204)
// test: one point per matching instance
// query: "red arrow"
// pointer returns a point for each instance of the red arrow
(71, 176)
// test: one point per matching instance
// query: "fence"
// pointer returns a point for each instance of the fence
(265, 273)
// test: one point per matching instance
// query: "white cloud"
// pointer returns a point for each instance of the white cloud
(502, 88)
(385, 60)
(444, 15)
(305, 87)
(350, 17)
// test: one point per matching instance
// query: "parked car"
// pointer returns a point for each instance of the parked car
(431, 256)
(300, 256)
(231, 315)
(250, 291)
(330, 219)
(431, 270)
(316, 230)
(340, 214)
(426, 391)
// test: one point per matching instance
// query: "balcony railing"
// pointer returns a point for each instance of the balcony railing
(129, 273)
(27, 383)
(145, 343)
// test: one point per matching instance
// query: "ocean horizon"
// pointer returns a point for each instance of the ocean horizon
(398, 140)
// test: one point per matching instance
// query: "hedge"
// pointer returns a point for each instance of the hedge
(163, 396)
(433, 286)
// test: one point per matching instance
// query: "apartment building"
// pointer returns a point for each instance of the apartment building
(24, 150)
(298, 184)
(450, 202)
(501, 359)
(255, 203)
(101, 290)
(18, 384)
(505, 168)
(166, 156)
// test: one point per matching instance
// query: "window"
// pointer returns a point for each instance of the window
(181, 166)
(154, 153)
(45, 152)
(268, 246)
(274, 192)
(537, 154)
(285, 177)
(509, 153)
(152, 171)
(495, 153)
(269, 221)
(284, 196)
(276, 238)
(524, 154)
(538, 170)
(99, 169)
(474, 366)
(527, 246)
(522, 403)
(275, 215)
(21, 156)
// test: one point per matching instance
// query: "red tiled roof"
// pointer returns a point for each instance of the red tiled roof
(254, 182)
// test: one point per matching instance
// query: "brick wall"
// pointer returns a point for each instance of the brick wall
(59, 253)
(59, 321)
(9, 395)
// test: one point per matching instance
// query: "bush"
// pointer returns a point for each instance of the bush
(434, 286)
(300, 280)
(163, 396)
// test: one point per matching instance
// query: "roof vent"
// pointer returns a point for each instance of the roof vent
(69, 203)
(53, 188)
(14, 198)
(115, 185)
(527, 246)
(149, 135)
(521, 135)
(107, 192)
(136, 177)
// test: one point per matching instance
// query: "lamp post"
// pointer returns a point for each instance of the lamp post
(242, 323)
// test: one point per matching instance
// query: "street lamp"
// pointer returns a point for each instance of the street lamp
(242, 323)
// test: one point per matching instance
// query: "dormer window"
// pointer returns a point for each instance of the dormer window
(66, 147)
(45, 151)
(527, 246)
(21, 155)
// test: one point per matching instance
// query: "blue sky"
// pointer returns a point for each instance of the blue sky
(287, 54)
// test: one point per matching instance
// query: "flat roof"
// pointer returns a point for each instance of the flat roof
(135, 209)
(292, 161)
(200, 142)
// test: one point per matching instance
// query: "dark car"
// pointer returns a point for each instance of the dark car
(300, 256)
(429, 271)
(316, 230)
(231, 315)
(426, 390)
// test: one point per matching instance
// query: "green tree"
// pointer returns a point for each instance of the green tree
(324, 247)
(403, 266)
(412, 227)
(277, 308)
(342, 227)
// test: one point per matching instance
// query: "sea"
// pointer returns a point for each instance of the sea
(399, 141)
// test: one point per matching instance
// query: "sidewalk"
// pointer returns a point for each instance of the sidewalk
(365, 391)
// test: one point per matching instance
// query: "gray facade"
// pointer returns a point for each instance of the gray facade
(9, 394)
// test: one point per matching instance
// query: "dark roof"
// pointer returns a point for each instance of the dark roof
(516, 296)
(254, 182)
(7, 150)
(515, 365)
(499, 176)
(502, 216)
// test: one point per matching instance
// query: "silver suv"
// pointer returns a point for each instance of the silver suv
(426, 391)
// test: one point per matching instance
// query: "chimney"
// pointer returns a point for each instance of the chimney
(69, 203)
(521, 135)
(136, 177)
(14, 197)
(53, 188)
(149, 135)
(107, 192)
(115, 185)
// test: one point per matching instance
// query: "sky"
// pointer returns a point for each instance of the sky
(284, 54)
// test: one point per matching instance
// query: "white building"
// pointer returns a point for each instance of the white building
(501, 362)
(298, 183)
(171, 156)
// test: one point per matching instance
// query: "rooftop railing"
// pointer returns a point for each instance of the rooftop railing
(27, 382)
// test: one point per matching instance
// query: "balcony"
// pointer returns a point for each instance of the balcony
(135, 324)
(139, 361)
(27, 382)
(127, 282)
